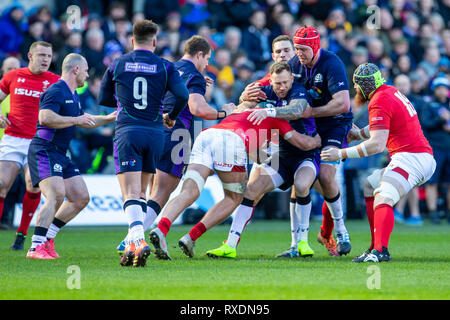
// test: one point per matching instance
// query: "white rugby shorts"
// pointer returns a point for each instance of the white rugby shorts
(14, 149)
(415, 168)
(219, 149)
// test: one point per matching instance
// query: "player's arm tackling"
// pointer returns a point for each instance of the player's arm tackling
(375, 144)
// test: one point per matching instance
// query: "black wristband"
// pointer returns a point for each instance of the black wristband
(224, 114)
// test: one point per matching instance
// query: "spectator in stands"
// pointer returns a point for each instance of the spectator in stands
(233, 41)
(430, 63)
(44, 15)
(349, 44)
(93, 49)
(403, 65)
(244, 72)
(376, 50)
(34, 33)
(73, 45)
(112, 51)
(155, 10)
(435, 119)
(225, 76)
(239, 12)
(256, 40)
(359, 55)
(220, 17)
(116, 11)
(194, 13)
(174, 36)
(121, 29)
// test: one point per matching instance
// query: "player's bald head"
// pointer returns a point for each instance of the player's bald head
(9, 64)
(71, 61)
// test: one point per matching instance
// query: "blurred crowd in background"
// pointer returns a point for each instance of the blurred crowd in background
(408, 39)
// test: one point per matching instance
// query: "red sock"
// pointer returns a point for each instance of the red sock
(383, 225)
(370, 215)
(29, 205)
(164, 225)
(2, 201)
(327, 222)
(197, 231)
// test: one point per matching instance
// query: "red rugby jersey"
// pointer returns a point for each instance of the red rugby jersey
(390, 110)
(254, 136)
(25, 88)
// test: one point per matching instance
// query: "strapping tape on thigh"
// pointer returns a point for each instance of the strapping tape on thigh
(387, 190)
(196, 177)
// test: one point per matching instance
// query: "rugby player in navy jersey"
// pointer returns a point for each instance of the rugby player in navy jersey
(50, 168)
(178, 139)
(136, 84)
(296, 167)
(323, 74)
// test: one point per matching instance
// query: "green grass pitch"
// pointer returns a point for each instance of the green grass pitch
(420, 268)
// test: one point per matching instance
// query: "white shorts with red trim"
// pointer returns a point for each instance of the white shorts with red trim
(408, 169)
(14, 149)
(219, 149)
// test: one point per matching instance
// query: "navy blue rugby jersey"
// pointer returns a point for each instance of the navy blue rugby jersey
(59, 99)
(136, 84)
(195, 83)
(327, 77)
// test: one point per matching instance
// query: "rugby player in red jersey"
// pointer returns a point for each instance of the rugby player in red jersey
(25, 86)
(393, 123)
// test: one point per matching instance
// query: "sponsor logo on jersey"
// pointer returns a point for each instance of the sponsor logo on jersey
(68, 101)
(57, 167)
(140, 67)
(130, 163)
(340, 84)
(223, 165)
(26, 92)
(20, 79)
(376, 119)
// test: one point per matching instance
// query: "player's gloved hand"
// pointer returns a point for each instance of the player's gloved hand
(4, 121)
(257, 116)
(353, 134)
(331, 154)
(85, 120)
(253, 92)
(228, 108)
(168, 123)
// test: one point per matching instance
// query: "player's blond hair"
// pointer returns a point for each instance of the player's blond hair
(71, 61)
